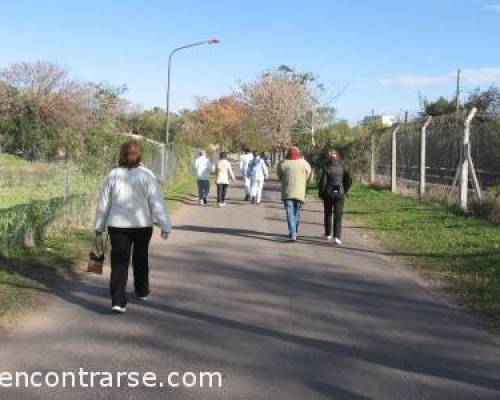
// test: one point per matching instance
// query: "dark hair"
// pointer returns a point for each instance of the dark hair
(338, 151)
(130, 154)
(223, 155)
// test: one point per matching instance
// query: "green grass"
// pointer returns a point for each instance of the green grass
(180, 191)
(462, 252)
(12, 160)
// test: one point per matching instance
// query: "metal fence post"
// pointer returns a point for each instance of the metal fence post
(66, 192)
(372, 161)
(423, 156)
(163, 161)
(464, 168)
(394, 160)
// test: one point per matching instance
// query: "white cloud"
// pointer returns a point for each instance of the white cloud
(488, 5)
(472, 76)
(495, 7)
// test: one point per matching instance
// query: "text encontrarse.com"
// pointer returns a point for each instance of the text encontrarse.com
(95, 379)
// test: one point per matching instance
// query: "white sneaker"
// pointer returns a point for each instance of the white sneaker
(201, 202)
(118, 309)
(293, 238)
(328, 237)
(338, 241)
(223, 204)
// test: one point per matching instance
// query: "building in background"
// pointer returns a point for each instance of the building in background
(384, 120)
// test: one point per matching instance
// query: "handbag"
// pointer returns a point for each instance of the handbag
(96, 256)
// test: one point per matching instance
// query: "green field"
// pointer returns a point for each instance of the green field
(461, 252)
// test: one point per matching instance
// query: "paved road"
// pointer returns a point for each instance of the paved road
(279, 320)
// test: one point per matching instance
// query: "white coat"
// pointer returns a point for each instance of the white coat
(257, 170)
(202, 167)
(131, 198)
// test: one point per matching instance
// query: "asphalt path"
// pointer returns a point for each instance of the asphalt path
(278, 320)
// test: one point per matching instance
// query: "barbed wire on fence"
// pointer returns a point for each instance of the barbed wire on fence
(444, 152)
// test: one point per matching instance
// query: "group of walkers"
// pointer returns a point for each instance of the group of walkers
(253, 170)
(131, 202)
(203, 167)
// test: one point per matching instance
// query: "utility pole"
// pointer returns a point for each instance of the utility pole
(458, 90)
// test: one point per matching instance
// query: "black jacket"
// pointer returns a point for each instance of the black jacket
(334, 177)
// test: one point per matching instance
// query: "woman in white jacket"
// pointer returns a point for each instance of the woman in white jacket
(224, 172)
(130, 202)
(257, 173)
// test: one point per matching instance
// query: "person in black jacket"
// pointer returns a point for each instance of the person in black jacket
(334, 184)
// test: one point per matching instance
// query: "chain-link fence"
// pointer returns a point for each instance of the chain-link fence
(42, 198)
(455, 156)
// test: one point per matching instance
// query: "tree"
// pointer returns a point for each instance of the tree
(58, 99)
(486, 102)
(42, 108)
(107, 106)
(277, 100)
(222, 119)
(441, 106)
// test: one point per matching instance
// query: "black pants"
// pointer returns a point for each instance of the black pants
(203, 189)
(125, 241)
(221, 192)
(334, 206)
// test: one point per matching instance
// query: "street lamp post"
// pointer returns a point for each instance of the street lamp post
(167, 127)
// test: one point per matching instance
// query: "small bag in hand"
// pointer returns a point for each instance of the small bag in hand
(96, 256)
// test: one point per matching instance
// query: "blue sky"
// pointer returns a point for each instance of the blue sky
(379, 54)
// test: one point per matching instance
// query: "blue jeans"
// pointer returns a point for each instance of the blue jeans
(203, 189)
(292, 208)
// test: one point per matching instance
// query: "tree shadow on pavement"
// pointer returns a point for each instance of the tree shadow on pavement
(247, 233)
(318, 241)
(335, 392)
(431, 366)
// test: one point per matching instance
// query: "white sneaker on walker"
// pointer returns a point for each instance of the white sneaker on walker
(328, 237)
(338, 241)
(118, 309)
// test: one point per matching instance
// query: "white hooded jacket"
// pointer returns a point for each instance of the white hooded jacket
(131, 198)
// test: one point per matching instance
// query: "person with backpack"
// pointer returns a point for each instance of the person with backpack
(334, 184)
(257, 173)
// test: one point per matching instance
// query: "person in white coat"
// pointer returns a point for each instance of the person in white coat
(202, 167)
(257, 173)
(129, 204)
(224, 173)
(245, 159)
